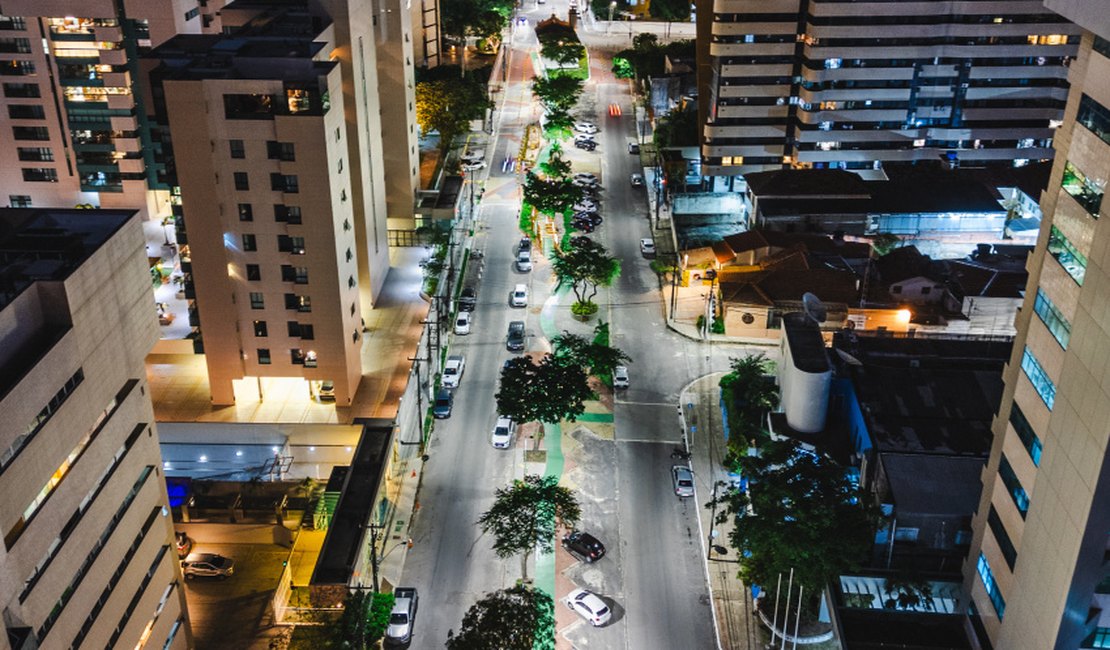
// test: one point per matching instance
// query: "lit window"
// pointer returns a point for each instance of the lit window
(1039, 378)
(986, 576)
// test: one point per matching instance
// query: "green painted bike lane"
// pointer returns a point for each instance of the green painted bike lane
(553, 439)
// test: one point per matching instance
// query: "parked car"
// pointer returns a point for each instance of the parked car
(207, 565)
(453, 370)
(441, 408)
(585, 176)
(585, 182)
(502, 437)
(633, 147)
(525, 244)
(620, 377)
(585, 205)
(589, 606)
(468, 299)
(583, 225)
(462, 323)
(647, 247)
(184, 544)
(327, 391)
(473, 155)
(585, 127)
(593, 217)
(519, 296)
(584, 546)
(514, 341)
(585, 137)
(637, 180)
(473, 166)
(524, 261)
(683, 480)
(403, 615)
(586, 145)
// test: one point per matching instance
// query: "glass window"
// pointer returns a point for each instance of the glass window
(1084, 190)
(242, 181)
(1095, 117)
(1102, 46)
(1039, 378)
(280, 151)
(257, 300)
(263, 356)
(286, 183)
(1013, 486)
(1025, 433)
(1002, 537)
(250, 244)
(1069, 257)
(296, 356)
(986, 576)
(1052, 318)
(237, 149)
(260, 328)
(254, 272)
(246, 212)
(19, 200)
(40, 174)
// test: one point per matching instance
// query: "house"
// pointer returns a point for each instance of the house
(911, 277)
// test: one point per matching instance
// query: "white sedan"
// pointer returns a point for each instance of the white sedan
(462, 323)
(585, 127)
(502, 436)
(589, 606)
(473, 156)
(474, 166)
(453, 371)
(585, 205)
(585, 182)
(647, 247)
(585, 176)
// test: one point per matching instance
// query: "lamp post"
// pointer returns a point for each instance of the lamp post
(612, 8)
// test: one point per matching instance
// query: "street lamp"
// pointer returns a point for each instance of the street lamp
(612, 8)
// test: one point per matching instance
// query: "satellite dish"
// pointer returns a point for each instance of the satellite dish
(814, 309)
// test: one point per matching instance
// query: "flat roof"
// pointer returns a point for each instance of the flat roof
(343, 543)
(882, 628)
(934, 485)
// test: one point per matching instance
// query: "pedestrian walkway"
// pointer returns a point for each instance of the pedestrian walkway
(732, 602)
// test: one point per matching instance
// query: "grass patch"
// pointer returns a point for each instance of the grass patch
(581, 71)
(431, 283)
(526, 218)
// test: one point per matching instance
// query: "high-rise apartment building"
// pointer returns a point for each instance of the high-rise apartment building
(88, 556)
(857, 85)
(71, 131)
(281, 212)
(397, 95)
(1037, 574)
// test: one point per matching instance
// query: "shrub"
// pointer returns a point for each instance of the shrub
(584, 309)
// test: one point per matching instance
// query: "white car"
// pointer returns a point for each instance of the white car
(589, 606)
(462, 323)
(585, 127)
(585, 137)
(453, 371)
(620, 377)
(524, 261)
(502, 437)
(474, 166)
(586, 176)
(519, 296)
(585, 182)
(647, 247)
(473, 156)
(585, 205)
(683, 480)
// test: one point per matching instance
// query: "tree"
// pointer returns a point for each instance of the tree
(557, 93)
(480, 18)
(447, 106)
(562, 52)
(364, 619)
(548, 391)
(678, 128)
(748, 395)
(524, 515)
(598, 358)
(556, 167)
(585, 265)
(670, 10)
(805, 514)
(518, 618)
(550, 195)
(885, 242)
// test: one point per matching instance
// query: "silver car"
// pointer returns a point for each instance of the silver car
(683, 480)
(207, 564)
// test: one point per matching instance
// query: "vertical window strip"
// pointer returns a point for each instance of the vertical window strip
(986, 576)
(1052, 318)
(1069, 257)
(1039, 378)
(1002, 537)
(1013, 486)
(1026, 434)
(41, 419)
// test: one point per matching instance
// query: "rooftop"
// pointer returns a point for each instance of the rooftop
(807, 348)
(934, 485)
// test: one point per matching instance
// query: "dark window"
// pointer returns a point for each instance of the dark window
(249, 107)
(294, 328)
(284, 183)
(896, 289)
(263, 356)
(192, 13)
(22, 90)
(19, 200)
(287, 214)
(30, 133)
(926, 290)
(16, 68)
(296, 355)
(350, 255)
(242, 181)
(300, 303)
(257, 300)
(260, 328)
(249, 243)
(287, 244)
(298, 274)
(350, 282)
(280, 151)
(26, 112)
(246, 213)
(237, 149)
(1013, 486)
(300, 330)
(307, 332)
(36, 154)
(1002, 537)
(254, 272)
(40, 174)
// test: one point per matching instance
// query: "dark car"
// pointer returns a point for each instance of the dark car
(583, 226)
(442, 406)
(514, 341)
(588, 145)
(592, 217)
(525, 244)
(584, 546)
(468, 299)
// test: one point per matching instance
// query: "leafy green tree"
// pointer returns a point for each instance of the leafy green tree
(885, 242)
(479, 18)
(518, 618)
(557, 93)
(447, 106)
(556, 166)
(524, 515)
(585, 265)
(598, 358)
(550, 196)
(558, 125)
(748, 396)
(670, 10)
(802, 512)
(678, 128)
(562, 52)
(364, 620)
(548, 391)
(622, 68)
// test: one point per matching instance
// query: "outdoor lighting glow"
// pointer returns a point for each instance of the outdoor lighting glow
(166, 465)
(239, 452)
(903, 316)
(203, 458)
(312, 448)
(275, 449)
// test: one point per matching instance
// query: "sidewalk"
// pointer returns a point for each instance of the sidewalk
(732, 603)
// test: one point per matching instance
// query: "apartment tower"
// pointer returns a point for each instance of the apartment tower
(1038, 574)
(859, 85)
(282, 220)
(88, 558)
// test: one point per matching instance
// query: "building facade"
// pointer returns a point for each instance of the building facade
(859, 85)
(88, 556)
(1037, 575)
(279, 222)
